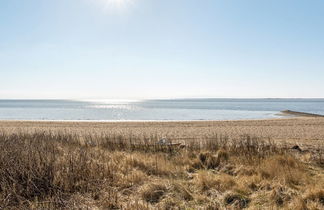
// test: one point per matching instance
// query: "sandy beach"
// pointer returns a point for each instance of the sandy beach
(308, 132)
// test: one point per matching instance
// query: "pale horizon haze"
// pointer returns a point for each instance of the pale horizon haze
(129, 49)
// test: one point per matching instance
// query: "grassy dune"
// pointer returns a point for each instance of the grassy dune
(73, 168)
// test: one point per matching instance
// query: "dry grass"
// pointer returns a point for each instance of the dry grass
(65, 170)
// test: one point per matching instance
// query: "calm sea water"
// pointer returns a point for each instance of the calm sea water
(175, 109)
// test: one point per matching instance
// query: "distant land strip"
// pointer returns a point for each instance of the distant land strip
(301, 114)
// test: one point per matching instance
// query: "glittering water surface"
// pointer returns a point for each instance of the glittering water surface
(175, 109)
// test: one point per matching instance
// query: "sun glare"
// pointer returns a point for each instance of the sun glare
(116, 4)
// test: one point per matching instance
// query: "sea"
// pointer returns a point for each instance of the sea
(155, 110)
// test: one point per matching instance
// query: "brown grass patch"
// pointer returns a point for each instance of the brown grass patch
(44, 170)
(152, 193)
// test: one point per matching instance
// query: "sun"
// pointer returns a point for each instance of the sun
(116, 4)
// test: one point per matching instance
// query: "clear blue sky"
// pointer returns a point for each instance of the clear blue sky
(161, 49)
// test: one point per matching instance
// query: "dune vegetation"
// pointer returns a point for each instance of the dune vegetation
(60, 170)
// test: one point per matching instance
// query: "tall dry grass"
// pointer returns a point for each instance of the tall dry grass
(44, 170)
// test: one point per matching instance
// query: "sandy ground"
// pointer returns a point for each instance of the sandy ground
(308, 132)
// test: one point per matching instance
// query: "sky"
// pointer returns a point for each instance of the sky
(125, 49)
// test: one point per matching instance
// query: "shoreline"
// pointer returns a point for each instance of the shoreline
(285, 114)
(283, 117)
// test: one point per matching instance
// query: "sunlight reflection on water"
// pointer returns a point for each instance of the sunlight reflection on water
(173, 109)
